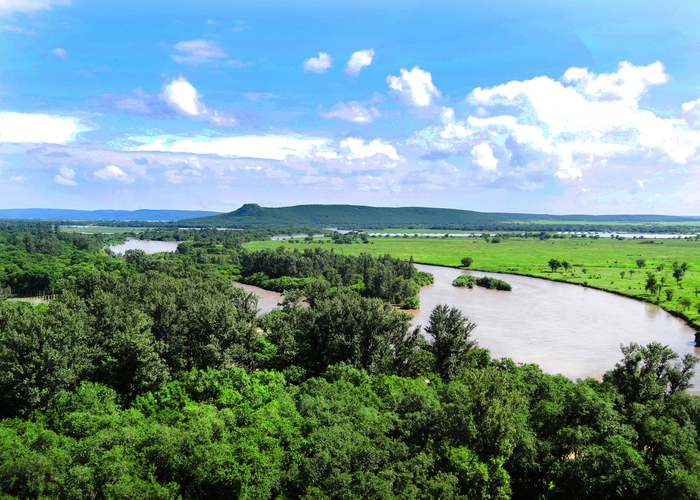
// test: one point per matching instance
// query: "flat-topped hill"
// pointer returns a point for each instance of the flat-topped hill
(252, 214)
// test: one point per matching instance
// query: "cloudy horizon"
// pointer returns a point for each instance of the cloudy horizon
(546, 108)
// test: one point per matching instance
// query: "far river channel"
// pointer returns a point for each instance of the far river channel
(567, 329)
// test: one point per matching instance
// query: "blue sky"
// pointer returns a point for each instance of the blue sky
(545, 107)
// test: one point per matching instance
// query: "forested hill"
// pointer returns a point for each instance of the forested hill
(139, 215)
(363, 216)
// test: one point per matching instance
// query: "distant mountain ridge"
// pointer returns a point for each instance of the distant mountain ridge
(252, 214)
(125, 215)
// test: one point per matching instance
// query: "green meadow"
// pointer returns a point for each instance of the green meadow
(597, 263)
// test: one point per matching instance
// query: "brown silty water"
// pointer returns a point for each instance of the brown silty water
(567, 329)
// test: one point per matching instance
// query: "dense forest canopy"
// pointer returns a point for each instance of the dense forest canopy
(154, 377)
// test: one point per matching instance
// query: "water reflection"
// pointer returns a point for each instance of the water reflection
(150, 247)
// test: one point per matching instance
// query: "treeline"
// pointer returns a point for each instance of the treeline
(392, 280)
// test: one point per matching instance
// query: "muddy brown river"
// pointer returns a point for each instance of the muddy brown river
(564, 328)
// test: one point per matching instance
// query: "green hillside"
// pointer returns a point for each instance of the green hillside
(252, 214)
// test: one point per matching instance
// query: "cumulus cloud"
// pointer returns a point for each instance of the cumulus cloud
(482, 155)
(318, 64)
(65, 177)
(8, 7)
(565, 127)
(58, 52)
(296, 151)
(184, 98)
(414, 88)
(113, 173)
(358, 61)
(353, 112)
(38, 128)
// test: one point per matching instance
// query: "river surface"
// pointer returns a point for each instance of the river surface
(567, 329)
(150, 247)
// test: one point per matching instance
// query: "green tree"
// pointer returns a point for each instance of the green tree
(641, 263)
(652, 284)
(554, 265)
(685, 303)
(622, 274)
(467, 261)
(565, 265)
(450, 332)
(646, 373)
(679, 272)
(669, 293)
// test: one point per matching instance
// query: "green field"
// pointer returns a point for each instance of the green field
(602, 260)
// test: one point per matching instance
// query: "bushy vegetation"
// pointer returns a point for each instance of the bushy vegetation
(156, 379)
(493, 284)
(464, 280)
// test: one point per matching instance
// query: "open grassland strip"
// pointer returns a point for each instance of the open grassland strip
(597, 263)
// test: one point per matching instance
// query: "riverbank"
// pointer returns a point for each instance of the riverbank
(603, 264)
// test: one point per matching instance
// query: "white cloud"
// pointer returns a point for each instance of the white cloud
(357, 61)
(273, 147)
(26, 6)
(482, 155)
(113, 173)
(184, 98)
(17, 29)
(65, 177)
(353, 112)
(318, 64)
(356, 148)
(18, 178)
(202, 51)
(294, 150)
(414, 88)
(38, 128)
(58, 52)
(565, 127)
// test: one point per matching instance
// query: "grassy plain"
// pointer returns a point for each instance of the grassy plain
(597, 262)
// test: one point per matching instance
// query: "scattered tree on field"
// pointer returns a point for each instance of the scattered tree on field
(554, 265)
(467, 261)
(641, 263)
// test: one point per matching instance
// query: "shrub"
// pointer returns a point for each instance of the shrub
(493, 284)
(410, 303)
(464, 280)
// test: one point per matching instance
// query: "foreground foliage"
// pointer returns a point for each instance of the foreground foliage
(156, 379)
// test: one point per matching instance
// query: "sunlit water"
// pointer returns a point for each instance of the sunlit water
(567, 329)
(150, 247)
